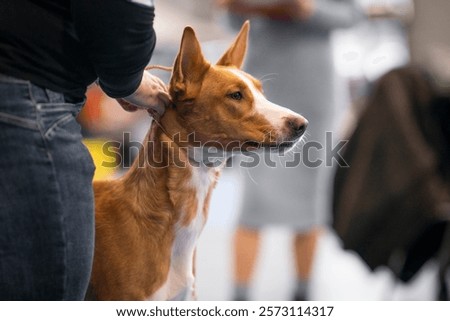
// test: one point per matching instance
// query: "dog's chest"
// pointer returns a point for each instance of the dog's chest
(180, 281)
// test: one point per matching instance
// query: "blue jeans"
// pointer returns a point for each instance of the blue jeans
(46, 197)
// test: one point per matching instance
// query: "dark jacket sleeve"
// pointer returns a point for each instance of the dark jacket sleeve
(119, 38)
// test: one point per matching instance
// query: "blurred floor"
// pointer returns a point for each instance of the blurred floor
(337, 275)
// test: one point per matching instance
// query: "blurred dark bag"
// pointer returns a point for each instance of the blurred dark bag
(391, 204)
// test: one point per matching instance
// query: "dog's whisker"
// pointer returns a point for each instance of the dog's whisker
(267, 80)
(263, 78)
(304, 139)
(251, 177)
(292, 151)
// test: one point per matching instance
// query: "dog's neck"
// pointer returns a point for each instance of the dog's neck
(164, 177)
(187, 142)
(162, 162)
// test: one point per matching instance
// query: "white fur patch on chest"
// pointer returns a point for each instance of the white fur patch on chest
(180, 281)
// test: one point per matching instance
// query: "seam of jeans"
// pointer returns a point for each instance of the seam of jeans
(73, 108)
(63, 232)
(56, 107)
(60, 122)
(17, 121)
(30, 93)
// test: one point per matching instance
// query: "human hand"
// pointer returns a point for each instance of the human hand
(151, 95)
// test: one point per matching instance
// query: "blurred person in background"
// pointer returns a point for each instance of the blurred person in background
(399, 161)
(50, 51)
(290, 44)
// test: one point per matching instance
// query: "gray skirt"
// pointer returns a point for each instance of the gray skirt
(296, 69)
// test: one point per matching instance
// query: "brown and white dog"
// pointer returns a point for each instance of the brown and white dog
(148, 222)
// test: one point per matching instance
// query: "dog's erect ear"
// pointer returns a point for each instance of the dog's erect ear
(236, 53)
(190, 65)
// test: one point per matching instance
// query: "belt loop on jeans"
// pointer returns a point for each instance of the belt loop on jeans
(54, 97)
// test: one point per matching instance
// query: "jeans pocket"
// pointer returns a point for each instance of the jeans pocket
(59, 125)
(59, 119)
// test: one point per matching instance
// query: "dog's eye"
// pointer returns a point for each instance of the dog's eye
(236, 95)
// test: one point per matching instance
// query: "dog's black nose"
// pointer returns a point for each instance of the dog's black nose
(297, 125)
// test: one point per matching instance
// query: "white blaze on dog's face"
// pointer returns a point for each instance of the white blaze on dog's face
(224, 106)
(287, 126)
